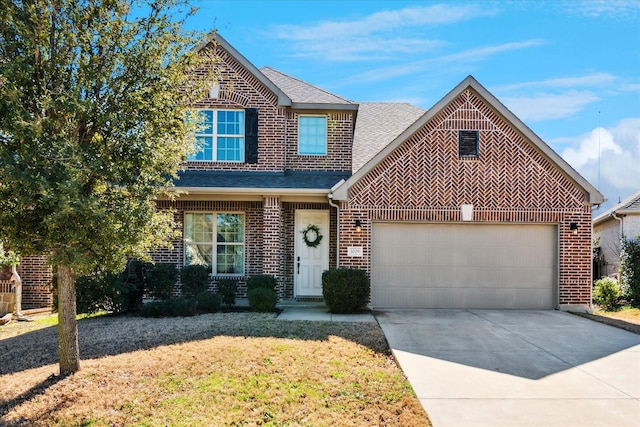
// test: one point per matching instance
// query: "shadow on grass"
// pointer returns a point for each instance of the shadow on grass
(7, 405)
(113, 335)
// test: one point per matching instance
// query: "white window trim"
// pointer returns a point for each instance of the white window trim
(214, 136)
(214, 258)
(326, 134)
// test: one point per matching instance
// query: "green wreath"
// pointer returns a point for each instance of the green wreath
(315, 238)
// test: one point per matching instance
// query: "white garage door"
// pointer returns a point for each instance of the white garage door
(463, 266)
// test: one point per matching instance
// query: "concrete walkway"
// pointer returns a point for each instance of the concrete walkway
(318, 311)
(517, 368)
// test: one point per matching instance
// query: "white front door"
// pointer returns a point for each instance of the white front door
(311, 257)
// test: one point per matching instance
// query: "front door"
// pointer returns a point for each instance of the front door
(311, 251)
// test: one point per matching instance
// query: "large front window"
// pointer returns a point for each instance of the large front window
(216, 240)
(312, 135)
(220, 136)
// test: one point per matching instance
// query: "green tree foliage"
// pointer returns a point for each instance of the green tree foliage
(630, 268)
(93, 96)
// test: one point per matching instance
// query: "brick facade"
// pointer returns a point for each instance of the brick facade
(424, 180)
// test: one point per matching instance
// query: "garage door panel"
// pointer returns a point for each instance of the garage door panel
(463, 265)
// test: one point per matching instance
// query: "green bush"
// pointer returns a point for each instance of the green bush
(262, 299)
(345, 290)
(133, 277)
(607, 293)
(101, 291)
(160, 280)
(630, 269)
(209, 302)
(175, 307)
(227, 289)
(194, 279)
(262, 281)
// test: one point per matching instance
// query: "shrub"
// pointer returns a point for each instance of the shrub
(209, 302)
(194, 279)
(175, 307)
(630, 269)
(607, 293)
(160, 280)
(345, 290)
(227, 289)
(133, 277)
(262, 281)
(262, 299)
(101, 291)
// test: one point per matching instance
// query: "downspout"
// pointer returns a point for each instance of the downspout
(613, 214)
(332, 203)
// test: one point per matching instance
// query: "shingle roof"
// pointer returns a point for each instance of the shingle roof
(302, 92)
(629, 205)
(320, 180)
(377, 124)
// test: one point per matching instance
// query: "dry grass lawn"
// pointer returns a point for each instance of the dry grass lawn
(627, 318)
(223, 369)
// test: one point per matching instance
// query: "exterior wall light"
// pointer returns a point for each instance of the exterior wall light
(573, 226)
(358, 226)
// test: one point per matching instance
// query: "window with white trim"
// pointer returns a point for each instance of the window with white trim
(220, 136)
(215, 239)
(312, 135)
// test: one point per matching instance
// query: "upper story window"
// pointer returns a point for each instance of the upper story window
(468, 143)
(312, 135)
(220, 136)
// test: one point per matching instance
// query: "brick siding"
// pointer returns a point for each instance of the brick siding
(510, 182)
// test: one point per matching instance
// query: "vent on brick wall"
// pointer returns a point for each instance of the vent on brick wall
(468, 143)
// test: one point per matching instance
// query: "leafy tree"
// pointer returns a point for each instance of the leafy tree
(630, 269)
(93, 100)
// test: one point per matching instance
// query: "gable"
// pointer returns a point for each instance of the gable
(427, 170)
(513, 169)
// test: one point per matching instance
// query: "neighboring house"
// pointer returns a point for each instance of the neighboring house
(622, 220)
(459, 206)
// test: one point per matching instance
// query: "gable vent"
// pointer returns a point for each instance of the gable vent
(468, 143)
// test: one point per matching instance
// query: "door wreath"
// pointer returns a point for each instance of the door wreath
(311, 236)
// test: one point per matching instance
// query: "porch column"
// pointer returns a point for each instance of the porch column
(272, 250)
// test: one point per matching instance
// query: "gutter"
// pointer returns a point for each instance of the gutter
(252, 191)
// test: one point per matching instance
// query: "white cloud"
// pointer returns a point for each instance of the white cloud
(597, 79)
(374, 36)
(609, 158)
(549, 106)
(598, 8)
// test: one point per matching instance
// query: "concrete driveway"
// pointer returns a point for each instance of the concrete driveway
(517, 368)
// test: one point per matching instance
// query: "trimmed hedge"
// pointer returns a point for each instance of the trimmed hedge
(227, 289)
(262, 299)
(101, 291)
(160, 279)
(345, 290)
(262, 281)
(209, 302)
(194, 279)
(175, 307)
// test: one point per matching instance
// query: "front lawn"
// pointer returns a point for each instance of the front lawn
(627, 318)
(210, 370)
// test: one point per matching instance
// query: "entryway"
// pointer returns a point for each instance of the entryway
(311, 255)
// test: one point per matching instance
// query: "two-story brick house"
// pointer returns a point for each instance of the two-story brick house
(458, 206)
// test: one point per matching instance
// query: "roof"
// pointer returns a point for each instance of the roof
(377, 124)
(217, 39)
(593, 196)
(630, 205)
(305, 95)
(259, 182)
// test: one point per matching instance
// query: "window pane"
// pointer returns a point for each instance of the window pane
(230, 259)
(206, 122)
(312, 135)
(198, 227)
(230, 149)
(230, 122)
(205, 144)
(198, 254)
(230, 228)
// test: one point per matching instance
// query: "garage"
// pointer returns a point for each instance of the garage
(499, 266)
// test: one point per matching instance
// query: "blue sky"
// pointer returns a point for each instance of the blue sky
(569, 69)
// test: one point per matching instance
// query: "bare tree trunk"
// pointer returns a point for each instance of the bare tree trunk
(68, 350)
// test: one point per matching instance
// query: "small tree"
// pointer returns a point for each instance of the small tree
(630, 269)
(93, 99)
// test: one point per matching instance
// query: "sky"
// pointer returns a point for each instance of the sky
(570, 70)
